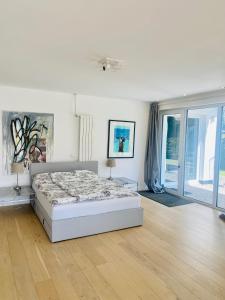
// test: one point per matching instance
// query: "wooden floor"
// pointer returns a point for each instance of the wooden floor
(179, 253)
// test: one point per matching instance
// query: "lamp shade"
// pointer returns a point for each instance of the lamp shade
(111, 163)
(17, 168)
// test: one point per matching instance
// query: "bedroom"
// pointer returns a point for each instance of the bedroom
(51, 66)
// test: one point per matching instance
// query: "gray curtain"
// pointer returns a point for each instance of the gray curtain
(152, 157)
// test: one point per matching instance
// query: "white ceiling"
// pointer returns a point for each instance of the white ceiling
(170, 48)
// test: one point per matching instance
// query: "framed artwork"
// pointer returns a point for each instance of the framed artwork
(121, 136)
(27, 138)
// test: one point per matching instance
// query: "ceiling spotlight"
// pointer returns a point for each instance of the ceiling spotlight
(106, 66)
(110, 64)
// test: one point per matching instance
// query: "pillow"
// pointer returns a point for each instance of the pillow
(85, 173)
(41, 176)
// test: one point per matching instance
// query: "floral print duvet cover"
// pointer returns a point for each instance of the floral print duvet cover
(81, 185)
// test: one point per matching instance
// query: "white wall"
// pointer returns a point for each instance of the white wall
(65, 142)
(104, 109)
(201, 99)
(28, 100)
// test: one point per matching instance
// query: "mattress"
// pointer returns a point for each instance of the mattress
(86, 208)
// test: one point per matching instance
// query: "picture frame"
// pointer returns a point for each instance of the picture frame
(27, 137)
(121, 139)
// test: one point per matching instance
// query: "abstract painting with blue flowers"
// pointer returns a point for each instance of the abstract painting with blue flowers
(121, 139)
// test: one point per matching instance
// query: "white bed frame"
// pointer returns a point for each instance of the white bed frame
(59, 230)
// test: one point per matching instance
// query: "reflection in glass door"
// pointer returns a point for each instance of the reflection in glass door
(200, 154)
(221, 185)
(170, 151)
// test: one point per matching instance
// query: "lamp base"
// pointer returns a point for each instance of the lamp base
(17, 188)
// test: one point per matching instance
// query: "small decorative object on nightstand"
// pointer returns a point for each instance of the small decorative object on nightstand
(127, 183)
(111, 163)
(9, 196)
(17, 168)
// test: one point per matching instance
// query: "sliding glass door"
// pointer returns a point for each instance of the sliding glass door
(193, 153)
(171, 140)
(200, 154)
(221, 181)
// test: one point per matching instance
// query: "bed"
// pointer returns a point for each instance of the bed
(68, 216)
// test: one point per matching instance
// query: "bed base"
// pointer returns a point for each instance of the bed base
(60, 230)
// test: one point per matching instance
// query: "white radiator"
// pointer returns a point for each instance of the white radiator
(85, 137)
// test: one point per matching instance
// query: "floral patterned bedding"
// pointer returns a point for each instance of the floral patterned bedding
(81, 185)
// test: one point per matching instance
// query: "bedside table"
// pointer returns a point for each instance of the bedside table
(127, 183)
(8, 196)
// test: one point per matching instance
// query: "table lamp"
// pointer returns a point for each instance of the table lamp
(111, 163)
(17, 168)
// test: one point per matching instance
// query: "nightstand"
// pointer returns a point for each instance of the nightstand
(8, 196)
(127, 183)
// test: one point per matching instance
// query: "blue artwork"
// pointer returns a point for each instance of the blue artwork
(121, 139)
(121, 135)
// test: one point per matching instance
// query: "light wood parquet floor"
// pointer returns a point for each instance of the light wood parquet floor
(179, 253)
